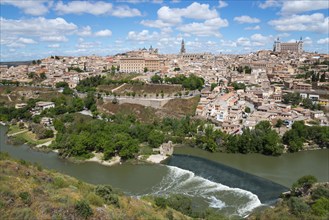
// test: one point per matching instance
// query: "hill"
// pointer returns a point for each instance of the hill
(27, 191)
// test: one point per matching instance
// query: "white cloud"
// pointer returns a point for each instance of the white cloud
(81, 7)
(257, 27)
(155, 23)
(144, 35)
(125, 11)
(314, 23)
(30, 7)
(26, 40)
(295, 7)
(242, 41)
(323, 41)
(54, 38)
(269, 4)
(85, 31)
(194, 11)
(246, 19)
(95, 8)
(103, 33)
(261, 40)
(308, 41)
(53, 45)
(87, 45)
(36, 27)
(228, 43)
(208, 28)
(222, 4)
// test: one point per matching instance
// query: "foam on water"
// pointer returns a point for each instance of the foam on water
(180, 181)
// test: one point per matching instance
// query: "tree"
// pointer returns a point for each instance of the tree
(156, 79)
(145, 69)
(212, 86)
(279, 123)
(113, 69)
(155, 138)
(305, 182)
(43, 76)
(323, 77)
(247, 109)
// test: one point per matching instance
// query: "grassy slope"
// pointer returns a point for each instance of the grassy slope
(52, 195)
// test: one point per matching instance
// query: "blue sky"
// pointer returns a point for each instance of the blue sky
(40, 28)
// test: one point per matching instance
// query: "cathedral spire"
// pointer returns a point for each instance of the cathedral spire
(182, 48)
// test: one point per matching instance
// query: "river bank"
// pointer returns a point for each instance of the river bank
(153, 179)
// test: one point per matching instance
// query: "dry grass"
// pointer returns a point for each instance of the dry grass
(51, 195)
(150, 89)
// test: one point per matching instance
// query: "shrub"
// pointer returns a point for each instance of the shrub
(94, 199)
(160, 202)
(83, 209)
(107, 193)
(321, 207)
(59, 182)
(305, 181)
(319, 192)
(180, 203)
(26, 198)
(297, 206)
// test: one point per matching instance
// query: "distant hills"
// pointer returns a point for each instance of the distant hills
(16, 63)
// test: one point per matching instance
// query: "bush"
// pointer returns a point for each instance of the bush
(160, 202)
(94, 199)
(26, 198)
(59, 182)
(180, 203)
(319, 192)
(83, 209)
(107, 193)
(321, 207)
(297, 206)
(305, 181)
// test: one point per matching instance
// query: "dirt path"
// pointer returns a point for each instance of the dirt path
(10, 100)
(44, 144)
(9, 135)
(118, 87)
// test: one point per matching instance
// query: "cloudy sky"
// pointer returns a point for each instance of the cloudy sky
(40, 28)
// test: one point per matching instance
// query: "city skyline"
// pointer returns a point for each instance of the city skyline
(37, 29)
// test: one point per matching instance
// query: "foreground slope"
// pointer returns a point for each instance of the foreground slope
(29, 192)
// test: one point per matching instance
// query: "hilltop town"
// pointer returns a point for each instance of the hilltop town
(239, 90)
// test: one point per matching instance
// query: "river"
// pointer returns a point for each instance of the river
(233, 184)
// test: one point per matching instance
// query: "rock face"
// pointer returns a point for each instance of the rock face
(166, 149)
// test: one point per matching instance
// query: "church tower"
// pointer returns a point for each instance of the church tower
(182, 48)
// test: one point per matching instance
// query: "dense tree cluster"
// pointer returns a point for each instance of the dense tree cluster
(300, 133)
(192, 82)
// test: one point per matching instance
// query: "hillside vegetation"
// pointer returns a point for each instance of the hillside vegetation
(29, 192)
(307, 199)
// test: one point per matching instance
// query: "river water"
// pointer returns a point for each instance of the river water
(232, 184)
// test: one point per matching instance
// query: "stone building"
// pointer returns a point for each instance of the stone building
(280, 47)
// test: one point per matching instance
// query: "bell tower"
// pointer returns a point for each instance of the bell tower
(182, 48)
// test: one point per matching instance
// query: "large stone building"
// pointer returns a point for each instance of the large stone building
(296, 47)
(139, 64)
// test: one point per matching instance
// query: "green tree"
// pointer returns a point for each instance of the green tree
(212, 86)
(155, 138)
(156, 79)
(321, 207)
(279, 123)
